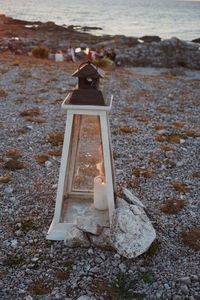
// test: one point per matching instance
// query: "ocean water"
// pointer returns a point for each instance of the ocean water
(166, 18)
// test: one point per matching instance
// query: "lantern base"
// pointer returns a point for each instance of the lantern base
(71, 209)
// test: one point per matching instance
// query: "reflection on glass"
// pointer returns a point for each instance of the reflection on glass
(87, 149)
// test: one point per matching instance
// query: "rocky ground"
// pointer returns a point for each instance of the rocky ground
(155, 137)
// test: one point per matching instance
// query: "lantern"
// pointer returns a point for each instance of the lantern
(86, 179)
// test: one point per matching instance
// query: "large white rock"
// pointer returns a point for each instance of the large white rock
(131, 231)
(76, 238)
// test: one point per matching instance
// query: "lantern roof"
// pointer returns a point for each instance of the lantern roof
(88, 69)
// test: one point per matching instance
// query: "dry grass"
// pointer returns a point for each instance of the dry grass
(196, 174)
(166, 148)
(159, 127)
(180, 187)
(42, 287)
(57, 101)
(144, 120)
(165, 109)
(143, 172)
(5, 179)
(178, 125)
(35, 120)
(3, 93)
(172, 138)
(13, 153)
(128, 109)
(14, 164)
(55, 152)
(133, 183)
(192, 133)
(153, 160)
(31, 112)
(192, 238)
(55, 138)
(125, 129)
(142, 93)
(41, 158)
(172, 206)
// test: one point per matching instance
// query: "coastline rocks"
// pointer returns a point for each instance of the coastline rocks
(167, 53)
(131, 231)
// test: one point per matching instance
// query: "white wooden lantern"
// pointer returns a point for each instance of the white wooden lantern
(86, 179)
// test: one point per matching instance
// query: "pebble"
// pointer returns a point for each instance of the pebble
(48, 164)
(184, 288)
(122, 267)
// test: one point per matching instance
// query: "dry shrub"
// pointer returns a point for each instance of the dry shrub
(35, 120)
(192, 133)
(144, 172)
(180, 187)
(14, 164)
(15, 63)
(128, 109)
(166, 148)
(55, 138)
(192, 238)
(153, 160)
(172, 206)
(31, 112)
(196, 175)
(169, 76)
(178, 124)
(125, 129)
(55, 152)
(5, 179)
(57, 101)
(13, 153)
(142, 93)
(133, 183)
(159, 127)
(3, 93)
(144, 120)
(41, 158)
(41, 52)
(41, 287)
(172, 138)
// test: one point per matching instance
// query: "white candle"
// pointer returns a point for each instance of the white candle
(100, 199)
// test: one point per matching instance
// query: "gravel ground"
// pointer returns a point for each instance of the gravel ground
(156, 144)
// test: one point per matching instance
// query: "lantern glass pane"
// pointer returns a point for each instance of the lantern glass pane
(87, 151)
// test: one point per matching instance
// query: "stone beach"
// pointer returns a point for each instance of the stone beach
(155, 137)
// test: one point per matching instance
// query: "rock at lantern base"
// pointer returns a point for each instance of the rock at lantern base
(102, 240)
(76, 238)
(88, 224)
(131, 231)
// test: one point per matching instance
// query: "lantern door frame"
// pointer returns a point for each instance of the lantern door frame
(58, 229)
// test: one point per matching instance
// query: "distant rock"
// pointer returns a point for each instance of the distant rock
(196, 41)
(150, 38)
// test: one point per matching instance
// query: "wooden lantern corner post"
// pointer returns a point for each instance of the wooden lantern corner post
(86, 179)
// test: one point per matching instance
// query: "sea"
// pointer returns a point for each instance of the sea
(165, 18)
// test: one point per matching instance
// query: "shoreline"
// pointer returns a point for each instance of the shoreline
(20, 37)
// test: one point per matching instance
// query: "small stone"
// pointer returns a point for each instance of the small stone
(167, 287)
(90, 251)
(84, 298)
(179, 163)
(159, 295)
(185, 280)
(18, 232)
(184, 288)
(182, 141)
(14, 243)
(28, 297)
(169, 154)
(34, 259)
(122, 268)
(48, 164)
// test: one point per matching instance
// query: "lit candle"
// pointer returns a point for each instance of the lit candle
(100, 199)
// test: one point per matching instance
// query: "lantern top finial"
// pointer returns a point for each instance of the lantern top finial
(87, 69)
